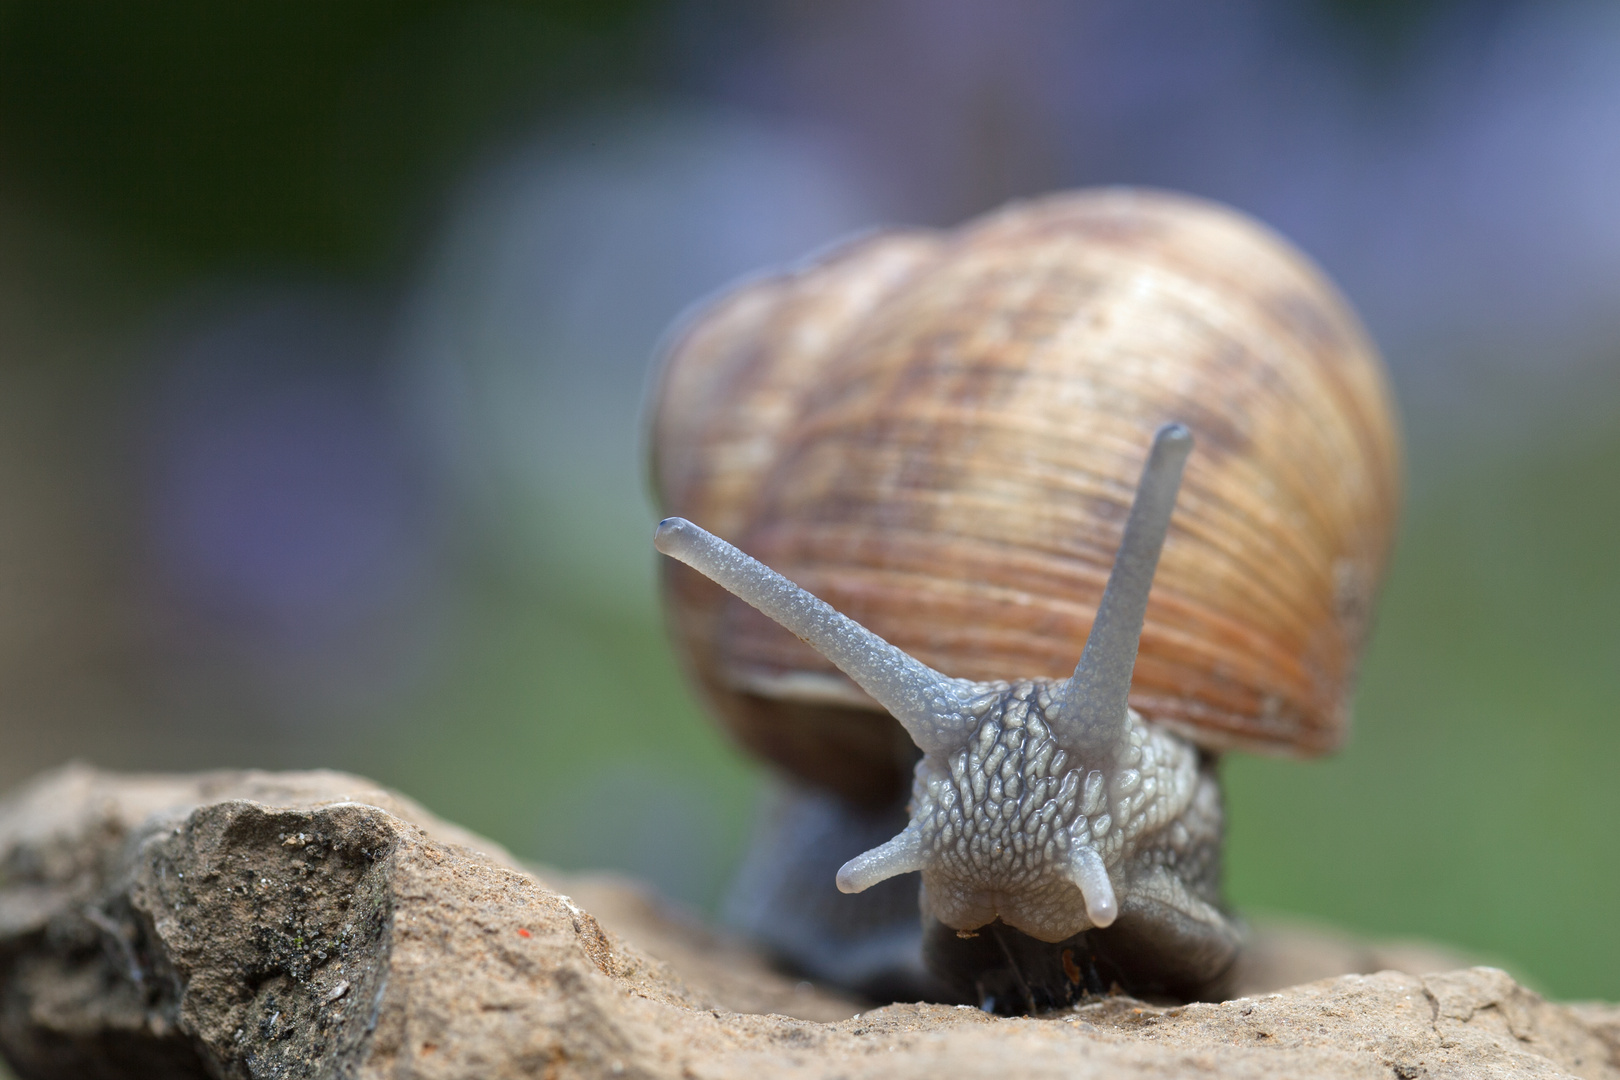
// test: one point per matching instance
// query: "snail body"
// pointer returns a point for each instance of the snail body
(942, 437)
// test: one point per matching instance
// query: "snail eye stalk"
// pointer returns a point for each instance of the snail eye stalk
(932, 707)
(1089, 717)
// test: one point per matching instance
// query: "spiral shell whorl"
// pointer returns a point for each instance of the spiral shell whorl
(939, 434)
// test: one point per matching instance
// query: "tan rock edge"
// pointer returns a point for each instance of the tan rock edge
(316, 925)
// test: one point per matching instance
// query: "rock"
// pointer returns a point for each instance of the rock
(733, 976)
(312, 924)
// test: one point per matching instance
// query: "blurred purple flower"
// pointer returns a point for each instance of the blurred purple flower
(285, 508)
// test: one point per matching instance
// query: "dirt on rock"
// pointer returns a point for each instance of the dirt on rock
(315, 925)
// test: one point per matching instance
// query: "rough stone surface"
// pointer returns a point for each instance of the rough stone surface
(312, 924)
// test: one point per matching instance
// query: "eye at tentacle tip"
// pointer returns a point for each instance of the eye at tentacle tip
(1174, 432)
(671, 534)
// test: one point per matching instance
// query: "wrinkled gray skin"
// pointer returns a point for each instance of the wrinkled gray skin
(1065, 844)
(873, 942)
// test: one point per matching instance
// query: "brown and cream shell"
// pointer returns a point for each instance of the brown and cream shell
(939, 433)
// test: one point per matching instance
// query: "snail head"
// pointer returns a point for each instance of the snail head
(1028, 792)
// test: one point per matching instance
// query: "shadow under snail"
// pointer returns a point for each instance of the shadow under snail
(1123, 426)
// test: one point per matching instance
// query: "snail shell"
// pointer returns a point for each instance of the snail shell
(939, 433)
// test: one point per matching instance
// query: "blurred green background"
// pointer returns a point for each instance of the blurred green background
(323, 331)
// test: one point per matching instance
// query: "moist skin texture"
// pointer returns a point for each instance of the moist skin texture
(1009, 822)
(1013, 826)
(997, 828)
(1169, 940)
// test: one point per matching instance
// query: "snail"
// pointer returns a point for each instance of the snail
(1041, 514)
